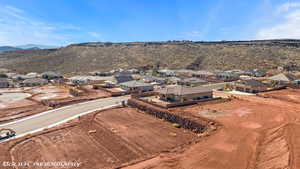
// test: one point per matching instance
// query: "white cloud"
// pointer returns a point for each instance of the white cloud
(287, 6)
(19, 28)
(288, 15)
(95, 35)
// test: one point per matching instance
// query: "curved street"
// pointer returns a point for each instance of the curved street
(58, 116)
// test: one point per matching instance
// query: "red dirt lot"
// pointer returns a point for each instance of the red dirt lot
(290, 95)
(7, 115)
(257, 133)
(107, 139)
(49, 92)
(95, 93)
(34, 103)
(17, 105)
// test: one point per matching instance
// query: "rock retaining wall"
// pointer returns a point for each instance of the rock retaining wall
(166, 115)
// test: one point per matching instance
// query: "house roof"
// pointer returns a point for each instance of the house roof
(153, 78)
(90, 78)
(184, 71)
(173, 79)
(194, 80)
(123, 78)
(35, 80)
(253, 83)
(203, 72)
(283, 77)
(256, 72)
(237, 71)
(51, 74)
(3, 80)
(181, 90)
(227, 74)
(166, 71)
(135, 83)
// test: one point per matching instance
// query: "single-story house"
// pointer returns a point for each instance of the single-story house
(249, 86)
(225, 76)
(256, 73)
(32, 75)
(133, 71)
(118, 70)
(33, 82)
(4, 83)
(122, 78)
(150, 79)
(166, 72)
(297, 82)
(19, 77)
(203, 74)
(96, 73)
(184, 72)
(236, 71)
(192, 81)
(83, 80)
(51, 75)
(282, 78)
(136, 86)
(182, 93)
(173, 80)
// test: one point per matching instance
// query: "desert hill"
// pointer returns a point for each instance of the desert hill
(84, 57)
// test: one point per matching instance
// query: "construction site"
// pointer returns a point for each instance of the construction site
(239, 131)
(17, 103)
(106, 139)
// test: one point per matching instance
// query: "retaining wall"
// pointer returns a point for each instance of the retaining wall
(166, 115)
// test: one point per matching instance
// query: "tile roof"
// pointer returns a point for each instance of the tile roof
(181, 90)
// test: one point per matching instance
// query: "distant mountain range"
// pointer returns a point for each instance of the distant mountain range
(25, 47)
(8, 48)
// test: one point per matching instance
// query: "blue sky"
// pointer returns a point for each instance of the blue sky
(61, 22)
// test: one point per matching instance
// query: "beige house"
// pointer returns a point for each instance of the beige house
(249, 86)
(181, 93)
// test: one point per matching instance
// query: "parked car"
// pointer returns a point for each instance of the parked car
(6, 134)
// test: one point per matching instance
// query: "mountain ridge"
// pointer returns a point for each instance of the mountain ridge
(104, 56)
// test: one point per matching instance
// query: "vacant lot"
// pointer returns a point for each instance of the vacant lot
(49, 92)
(21, 102)
(257, 133)
(106, 139)
(14, 105)
(290, 95)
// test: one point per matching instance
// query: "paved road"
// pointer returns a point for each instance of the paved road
(55, 117)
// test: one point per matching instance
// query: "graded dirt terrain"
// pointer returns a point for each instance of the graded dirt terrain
(257, 133)
(291, 95)
(106, 139)
(22, 102)
(49, 92)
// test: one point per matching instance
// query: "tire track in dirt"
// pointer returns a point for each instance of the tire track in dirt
(273, 151)
(135, 148)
